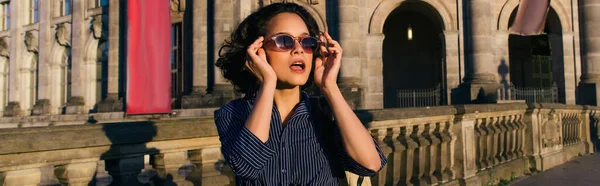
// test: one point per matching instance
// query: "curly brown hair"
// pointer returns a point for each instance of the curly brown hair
(232, 54)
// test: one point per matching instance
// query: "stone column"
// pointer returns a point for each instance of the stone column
(28, 177)
(80, 32)
(350, 81)
(76, 174)
(223, 26)
(200, 79)
(112, 102)
(453, 75)
(16, 54)
(568, 61)
(590, 80)
(480, 81)
(46, 39)
(373, 78)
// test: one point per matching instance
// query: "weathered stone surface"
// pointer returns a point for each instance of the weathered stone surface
(56, 138)
(42, 107)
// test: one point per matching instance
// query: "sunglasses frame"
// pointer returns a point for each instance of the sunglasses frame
(296, 40)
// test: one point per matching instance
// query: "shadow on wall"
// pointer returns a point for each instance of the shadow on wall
(129, 138)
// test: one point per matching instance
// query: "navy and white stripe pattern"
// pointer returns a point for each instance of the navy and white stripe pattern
(293, 155)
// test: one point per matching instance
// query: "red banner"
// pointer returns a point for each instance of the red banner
(531, 17)
(148, 55)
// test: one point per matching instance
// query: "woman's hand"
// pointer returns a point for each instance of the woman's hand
(256, 62)
(327, 69)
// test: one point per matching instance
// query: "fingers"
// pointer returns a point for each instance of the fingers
(322, 47)
(318, 63)
(253, 49)
(332, 43)
(261, 54)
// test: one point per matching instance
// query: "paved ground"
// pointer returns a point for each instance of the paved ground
(584, 170)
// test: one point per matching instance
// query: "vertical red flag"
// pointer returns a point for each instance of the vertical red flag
(148, 49)
(531, 17)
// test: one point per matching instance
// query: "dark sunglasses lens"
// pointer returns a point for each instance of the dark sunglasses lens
(310, 43)
(284, 42)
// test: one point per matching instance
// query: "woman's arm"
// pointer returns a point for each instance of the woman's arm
(357, 141)
(259, 120)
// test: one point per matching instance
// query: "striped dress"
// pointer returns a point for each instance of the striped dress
(298, 154)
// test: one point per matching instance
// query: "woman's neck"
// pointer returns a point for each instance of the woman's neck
(286, 100)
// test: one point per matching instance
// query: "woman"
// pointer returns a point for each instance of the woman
(274, 136)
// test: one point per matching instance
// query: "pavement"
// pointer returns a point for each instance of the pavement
(583, 171)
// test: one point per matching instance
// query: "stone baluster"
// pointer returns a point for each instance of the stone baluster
(448, 169)
(208, 169)
(510, 124)
(520, 136)
(431, 175)
(492, 140)
(76, 174)
(385, 137)
(481, 140)
(423, 149)
(27, 177)
(577, 127)
(124, 171)
(502, 139)
(167, 165)
(565, 125)
(399, 150)
(566, 129)
(411, 145)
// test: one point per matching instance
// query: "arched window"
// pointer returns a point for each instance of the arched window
(64, 7)
(65, 76)
(5, 8)
(102, 71)
(4, 71)
(33, 11)
(33, 85)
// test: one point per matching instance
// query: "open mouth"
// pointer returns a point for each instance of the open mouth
(298, 66)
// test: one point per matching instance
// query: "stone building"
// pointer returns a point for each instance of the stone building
(63, 62)
(67, 56)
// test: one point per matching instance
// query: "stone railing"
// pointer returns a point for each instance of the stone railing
(183, 152)
(419, 149)
(498, 137)
(476, 144)
(446, 145)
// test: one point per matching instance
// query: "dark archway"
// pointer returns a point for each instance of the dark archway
(413, 64)
(538, 61)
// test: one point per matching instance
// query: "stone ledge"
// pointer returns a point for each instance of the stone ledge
(35, 159)
(80, 136)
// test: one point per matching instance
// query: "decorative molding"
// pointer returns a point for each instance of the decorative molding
(178, 5)
(31, 41)
(62, 35)
(551, 130)
(4, 48)
(96, 26)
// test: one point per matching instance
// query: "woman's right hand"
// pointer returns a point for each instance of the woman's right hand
(256, 62)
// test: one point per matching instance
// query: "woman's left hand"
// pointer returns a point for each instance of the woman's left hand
(327, 68)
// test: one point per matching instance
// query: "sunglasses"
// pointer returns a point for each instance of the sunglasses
(286, 42)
